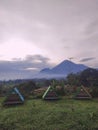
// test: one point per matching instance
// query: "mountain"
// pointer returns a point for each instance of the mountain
(45, 70)
(67, 67)
(63, 69)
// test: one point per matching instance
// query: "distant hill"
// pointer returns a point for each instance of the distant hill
(63, 69)
(45, 70)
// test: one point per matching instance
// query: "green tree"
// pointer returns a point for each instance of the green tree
(73, 79)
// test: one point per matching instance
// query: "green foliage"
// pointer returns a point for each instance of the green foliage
(54, 84)
(94, 92)
(43, 82)
(73, 79)
(41, 115)
(39, 95)
(89, 77)
(61, 90)
(27, 88)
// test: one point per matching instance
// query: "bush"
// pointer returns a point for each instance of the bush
(94, 92)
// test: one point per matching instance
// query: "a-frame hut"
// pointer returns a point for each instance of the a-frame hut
(50, 94)
(82, 93)
(14, 97)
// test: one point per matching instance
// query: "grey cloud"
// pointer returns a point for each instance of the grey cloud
(30, 61)
(37, 57)
(87, 59)
(23, 68)
(92, 28)
(88, 44)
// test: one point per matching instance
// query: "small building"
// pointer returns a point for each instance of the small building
(14, 97)
(82, 93)
(50, 94)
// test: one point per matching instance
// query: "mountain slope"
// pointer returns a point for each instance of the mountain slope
(64, 68)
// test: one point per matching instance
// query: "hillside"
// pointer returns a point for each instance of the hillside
(65, 114)
(62, 70)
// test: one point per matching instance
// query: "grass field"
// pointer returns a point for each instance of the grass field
(36, 114)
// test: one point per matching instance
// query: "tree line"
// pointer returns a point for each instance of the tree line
(87, 78)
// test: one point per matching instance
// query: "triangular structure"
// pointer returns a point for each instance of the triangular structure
(14, 97)
(82, 93)
(50, 94)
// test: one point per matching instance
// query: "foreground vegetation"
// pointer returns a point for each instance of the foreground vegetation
(36, 114)
(64, 114)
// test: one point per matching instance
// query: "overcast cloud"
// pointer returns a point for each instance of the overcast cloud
(53, 29)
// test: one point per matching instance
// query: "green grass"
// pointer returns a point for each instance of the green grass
(65, 114)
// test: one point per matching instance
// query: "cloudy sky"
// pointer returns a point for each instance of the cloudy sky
(35, 34)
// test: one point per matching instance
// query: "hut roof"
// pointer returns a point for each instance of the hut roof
(50, 94)
(14, 97)
(18, 92)
(82, 93)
